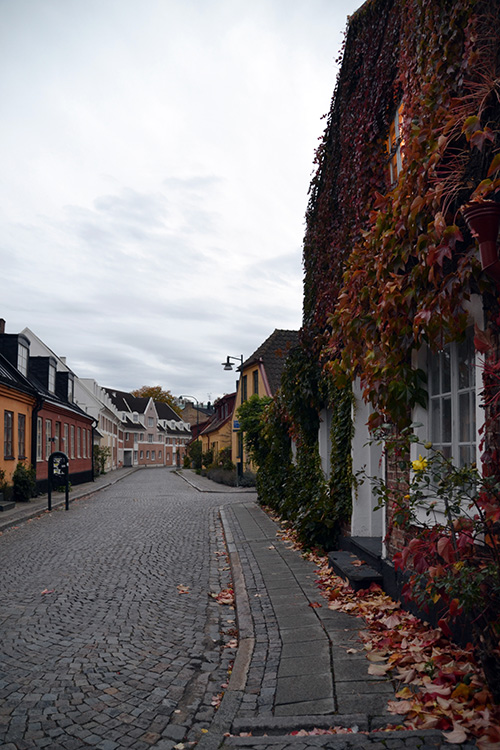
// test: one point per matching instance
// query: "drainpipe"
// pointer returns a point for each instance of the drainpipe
(483, 220)
(34, 420)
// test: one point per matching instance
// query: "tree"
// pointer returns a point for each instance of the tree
(157, 393)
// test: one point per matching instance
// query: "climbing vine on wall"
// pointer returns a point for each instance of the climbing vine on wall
(412, 266)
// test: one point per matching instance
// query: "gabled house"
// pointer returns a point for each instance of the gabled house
(216, 436)
(260, 374)
(108, 430)
(58, 422)
(18, 403)
(177, 434)
(143, 435)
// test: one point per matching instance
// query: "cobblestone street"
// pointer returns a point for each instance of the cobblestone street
(112, 655)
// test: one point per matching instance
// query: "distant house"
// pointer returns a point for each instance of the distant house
(108, 431)
(260, 374)
(140, 418)
(177, 434)
(217, 434)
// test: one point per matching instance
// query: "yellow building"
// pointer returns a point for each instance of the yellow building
(259, 374)
(217, 433)
(17, 401)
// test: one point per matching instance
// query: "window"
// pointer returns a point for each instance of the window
(452, 401)
(244, 388)
(52, 378)
(48, 438)
(135, 456)
(39, 435)
(142, 454)
(8, 434)
(79, 442)
(150, 438)
(126, 436)
(153, 455)
(136, 438)
(147, 455)
(394, 144)
(150, 421)
(57, 441)
(21, 436)
(255, 375)
(159, 455)
(72, 441)
(71, 389)
(22, 359)
(65, 439)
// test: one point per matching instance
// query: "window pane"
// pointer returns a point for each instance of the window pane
(446, 423)
(435, 421)
(435, 386)
(464, 455)
(464, 418)
(445, 370)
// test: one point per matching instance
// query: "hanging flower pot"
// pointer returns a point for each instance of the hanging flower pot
(483, 220)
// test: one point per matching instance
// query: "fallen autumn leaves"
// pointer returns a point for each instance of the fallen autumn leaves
(440, 685)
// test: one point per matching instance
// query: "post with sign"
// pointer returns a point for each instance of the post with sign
(58, 472)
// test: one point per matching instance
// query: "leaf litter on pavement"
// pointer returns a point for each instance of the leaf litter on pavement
(439, 685)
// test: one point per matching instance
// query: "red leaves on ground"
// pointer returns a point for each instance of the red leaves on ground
(439, 684)
(226, 596)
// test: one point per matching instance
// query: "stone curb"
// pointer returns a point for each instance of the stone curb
(223, 487)
(233, 694)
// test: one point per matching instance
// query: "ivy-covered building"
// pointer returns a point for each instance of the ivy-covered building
(401, 305)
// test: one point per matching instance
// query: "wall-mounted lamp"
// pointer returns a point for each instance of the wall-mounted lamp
(483, 220)
(228, 365)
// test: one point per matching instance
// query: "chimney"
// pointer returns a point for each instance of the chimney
(2, 325)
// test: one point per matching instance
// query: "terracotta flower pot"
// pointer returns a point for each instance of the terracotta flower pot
(483, 220)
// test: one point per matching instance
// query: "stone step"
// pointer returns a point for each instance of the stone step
(351, 568)
(6, 505)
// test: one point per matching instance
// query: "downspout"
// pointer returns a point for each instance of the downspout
(34, 420)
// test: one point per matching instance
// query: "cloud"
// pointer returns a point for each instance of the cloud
(156, 159)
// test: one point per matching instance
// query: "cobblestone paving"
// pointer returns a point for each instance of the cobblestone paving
(113, 656)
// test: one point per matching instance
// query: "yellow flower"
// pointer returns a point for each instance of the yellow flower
(420, 464)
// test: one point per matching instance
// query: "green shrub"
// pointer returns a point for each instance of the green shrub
(23, 480)
(195, 451)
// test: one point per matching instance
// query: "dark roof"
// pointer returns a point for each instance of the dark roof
(118, 398)
(273, 353)
(126, 402)
(12, 378)
(165, 411)
(217, 421)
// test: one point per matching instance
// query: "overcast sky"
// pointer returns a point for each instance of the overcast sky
(156, 157)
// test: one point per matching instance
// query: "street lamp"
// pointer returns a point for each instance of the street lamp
(227, 365)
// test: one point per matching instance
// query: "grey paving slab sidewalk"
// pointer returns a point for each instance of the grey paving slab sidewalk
(300, 666)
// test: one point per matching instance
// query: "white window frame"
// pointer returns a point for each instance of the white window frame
(421, 415)
(48, 438)
(23, 353)
(39, 439)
